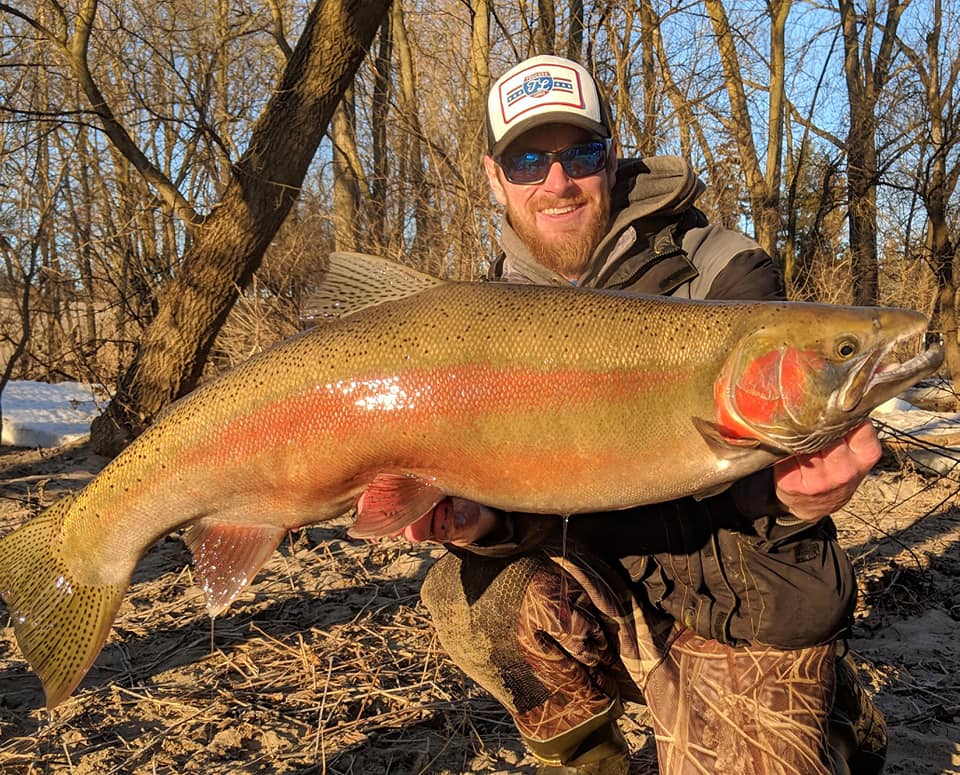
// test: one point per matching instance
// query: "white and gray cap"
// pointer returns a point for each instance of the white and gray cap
(543, 90)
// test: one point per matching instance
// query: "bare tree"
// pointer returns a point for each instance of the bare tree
(763, 186)
(379, 118)
(545, 29)
(229, 246)
(165, 197)
(349, 181)
(576, 29)
(26, 263)
(473, 135)
(622, 43)
(412, 146)
(803, 246)
(867, 73)
(937, 68)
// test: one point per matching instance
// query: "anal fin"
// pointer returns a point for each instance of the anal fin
(227, 556)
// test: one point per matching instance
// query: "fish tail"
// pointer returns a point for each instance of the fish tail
(60, 623)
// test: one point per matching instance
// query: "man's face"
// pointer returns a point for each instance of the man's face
(562, 219)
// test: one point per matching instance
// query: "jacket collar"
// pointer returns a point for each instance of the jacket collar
(659, 186)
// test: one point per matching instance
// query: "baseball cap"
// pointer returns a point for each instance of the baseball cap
(543, 90)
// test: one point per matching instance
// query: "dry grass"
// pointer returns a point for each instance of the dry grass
(329, 664)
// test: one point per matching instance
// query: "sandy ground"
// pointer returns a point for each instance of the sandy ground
(328, 663)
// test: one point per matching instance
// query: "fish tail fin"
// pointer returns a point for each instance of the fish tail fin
(60, 623)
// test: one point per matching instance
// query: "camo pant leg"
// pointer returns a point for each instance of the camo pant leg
(581, 633)
(759, 710)
(551, 647)
(858, 730)
(560, 649)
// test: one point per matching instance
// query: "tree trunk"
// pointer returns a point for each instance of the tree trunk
(545, 33)
(862, 206)
(346, 175)
(230, 244)
(866, 79)
(687, 120)
(379, 118)
(942, 256)
(764, 201)
(421, 190)
(942, 172)
(473, 142)
(649, 26)
(776, 120)
(575, 36)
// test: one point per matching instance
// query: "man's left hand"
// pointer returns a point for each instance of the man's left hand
(812, 486)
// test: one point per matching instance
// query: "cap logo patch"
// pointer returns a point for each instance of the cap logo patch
(541, 84)
(540, 89)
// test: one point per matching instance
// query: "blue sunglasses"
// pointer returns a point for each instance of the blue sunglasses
(527, 168)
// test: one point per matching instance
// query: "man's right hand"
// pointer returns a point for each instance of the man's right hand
(453, 521)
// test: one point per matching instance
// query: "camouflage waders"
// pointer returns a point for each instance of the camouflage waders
(562, 649)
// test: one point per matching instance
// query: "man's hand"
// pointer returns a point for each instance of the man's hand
(453, 521)
(812, 486)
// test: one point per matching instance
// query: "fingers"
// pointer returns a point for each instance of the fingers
(812, 486)
(865, 444)
(465, 523)
(422, 529)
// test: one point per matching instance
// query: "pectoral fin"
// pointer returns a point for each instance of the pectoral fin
(724, 445)
(391, 502)
(733, 454)
(227, 557)
(709, 493)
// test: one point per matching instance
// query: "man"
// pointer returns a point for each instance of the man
(723, 615)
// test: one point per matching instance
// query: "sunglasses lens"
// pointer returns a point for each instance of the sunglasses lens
(527, 167)
(578, 161)
(582, 160)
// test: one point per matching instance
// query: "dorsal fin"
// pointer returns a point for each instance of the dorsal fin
(355, 281)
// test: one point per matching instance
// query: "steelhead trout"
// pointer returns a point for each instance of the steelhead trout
(527, 398)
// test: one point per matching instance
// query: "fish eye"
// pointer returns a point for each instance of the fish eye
(847, 347)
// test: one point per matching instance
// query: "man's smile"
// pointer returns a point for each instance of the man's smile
(560, 210)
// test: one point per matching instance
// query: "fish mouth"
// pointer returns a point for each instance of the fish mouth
(882, 375)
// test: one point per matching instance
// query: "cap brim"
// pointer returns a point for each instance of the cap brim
(550, 117)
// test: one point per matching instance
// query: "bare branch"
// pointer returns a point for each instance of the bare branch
(279, 34)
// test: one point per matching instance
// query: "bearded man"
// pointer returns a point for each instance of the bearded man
(726, 615)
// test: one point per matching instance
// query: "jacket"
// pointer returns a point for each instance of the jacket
(658, 243)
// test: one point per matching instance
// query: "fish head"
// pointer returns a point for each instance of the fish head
(808, 373)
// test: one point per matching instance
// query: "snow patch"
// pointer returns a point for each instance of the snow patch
(36, 414)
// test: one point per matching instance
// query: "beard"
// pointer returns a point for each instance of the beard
(566, 254)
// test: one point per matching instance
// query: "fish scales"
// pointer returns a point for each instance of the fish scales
(520, 397)
(325, 392)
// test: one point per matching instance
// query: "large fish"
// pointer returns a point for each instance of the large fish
(548, 400)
